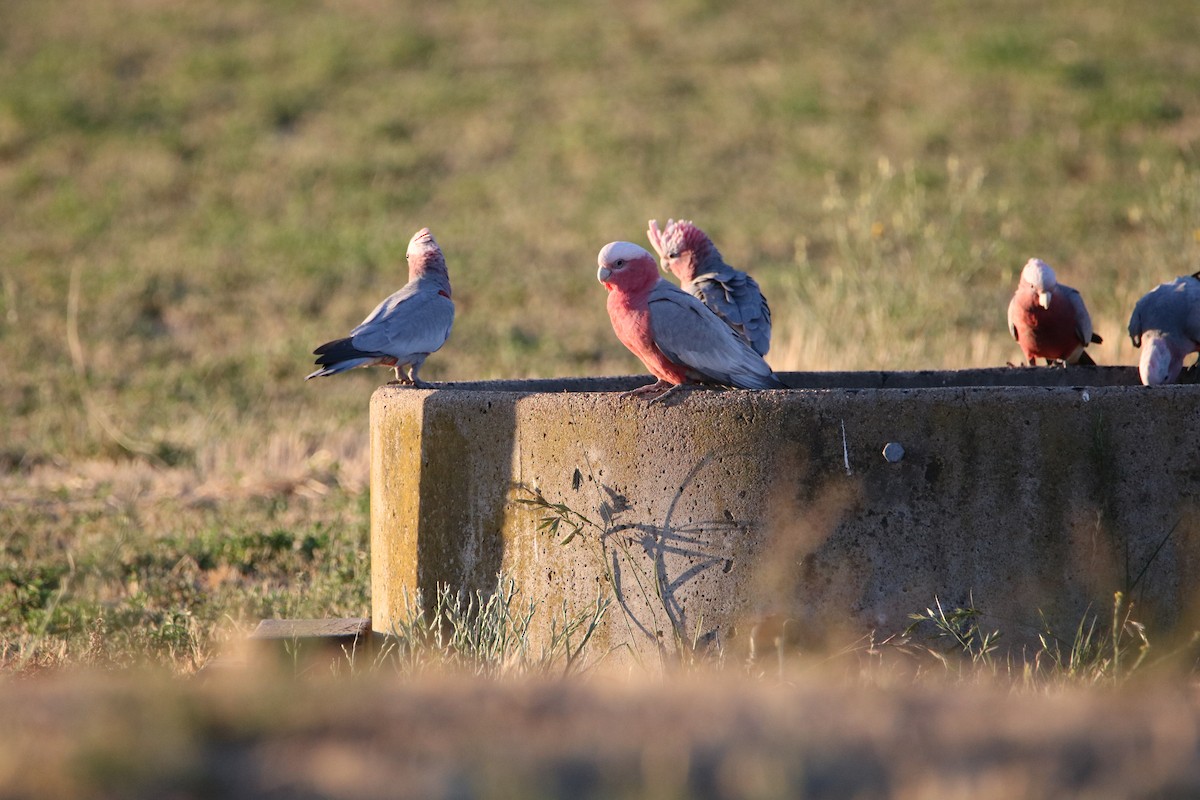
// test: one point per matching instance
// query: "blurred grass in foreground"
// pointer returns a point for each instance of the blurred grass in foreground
(815, 737)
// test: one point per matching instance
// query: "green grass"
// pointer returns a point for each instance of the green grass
(107, 583)
(193, 195)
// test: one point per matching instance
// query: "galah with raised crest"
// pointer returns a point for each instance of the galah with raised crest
(674, 334)
(405, 328)
(1049, 319)
(1166, 325)
(731, 294)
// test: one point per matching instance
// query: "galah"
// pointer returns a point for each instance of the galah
(674, 334)
(405, 328)
(731, 294)
(1166, 325)
(1048, 319)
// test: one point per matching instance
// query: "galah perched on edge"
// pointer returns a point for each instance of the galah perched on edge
(1166, 325)
(731, 294)
(675, 335)
(405, 328)
(1048, 319)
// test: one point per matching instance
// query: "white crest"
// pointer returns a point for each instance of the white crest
(621, 251)
(1039, 275)
(422, 242)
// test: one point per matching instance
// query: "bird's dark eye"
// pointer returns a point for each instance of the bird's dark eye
(620, 262)
(673, 254)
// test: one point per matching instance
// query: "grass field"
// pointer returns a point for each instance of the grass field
(195, 194)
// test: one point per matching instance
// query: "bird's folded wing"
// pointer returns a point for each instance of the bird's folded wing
(412, 322)
(1014, 312)
(1083, 320)
(736, 298)
(1192, 317)
(688, 333)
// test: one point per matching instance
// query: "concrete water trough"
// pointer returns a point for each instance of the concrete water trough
(1032, 493)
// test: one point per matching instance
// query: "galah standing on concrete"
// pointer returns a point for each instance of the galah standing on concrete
(675, 335)
(1048, 319)
(731, 294)
(405, 328)
(1166, 325)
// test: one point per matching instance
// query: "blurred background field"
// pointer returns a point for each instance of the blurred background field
(195, 194)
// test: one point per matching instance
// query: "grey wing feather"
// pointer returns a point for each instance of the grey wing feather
(736, 298)
(1192, 321)
(1083, 320)
(1135, 324)
(413, 320)
(1013, 309)
(1173, 308)
(385, 307)
(689, 333)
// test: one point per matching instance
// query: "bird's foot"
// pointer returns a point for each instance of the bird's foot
(409, 378)
(653, 390)
(650, 388)
(663, 396)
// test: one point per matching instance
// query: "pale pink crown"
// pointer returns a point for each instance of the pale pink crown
(424, 256)
(678, 237)
(1039, 275)
(423, 242)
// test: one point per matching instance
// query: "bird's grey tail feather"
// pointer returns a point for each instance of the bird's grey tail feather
(342, 350)
(338, 350)
(1085, 360)
(339, 356)
(1096, 339)
(340, 366)
(768, 381)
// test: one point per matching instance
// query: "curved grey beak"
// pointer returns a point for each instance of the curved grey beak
(603, 274)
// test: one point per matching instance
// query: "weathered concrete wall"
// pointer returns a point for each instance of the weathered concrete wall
(720, 507)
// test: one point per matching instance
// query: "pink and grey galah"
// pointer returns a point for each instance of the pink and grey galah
(731, 294)
(405, 328)
(1048, 319)
(1166, 325)
(674, 334)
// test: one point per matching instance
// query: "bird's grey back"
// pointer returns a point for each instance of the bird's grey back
(415, 319)
(1172, 308)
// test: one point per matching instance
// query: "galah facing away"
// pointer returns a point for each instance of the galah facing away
(405, 328)
(1166, 325)
(675, 335)
(1048, 319)
(731, 294)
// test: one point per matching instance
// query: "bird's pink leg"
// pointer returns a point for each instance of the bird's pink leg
(401, 378)
(653, 389)
(674, 388)
(410, 378)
